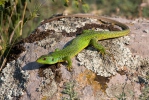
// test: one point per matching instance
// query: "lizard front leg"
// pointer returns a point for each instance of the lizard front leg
(68, 59)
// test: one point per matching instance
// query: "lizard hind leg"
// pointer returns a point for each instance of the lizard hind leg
(101, 48)
(98, 46)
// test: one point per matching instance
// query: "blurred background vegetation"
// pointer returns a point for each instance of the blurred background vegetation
(18, 18)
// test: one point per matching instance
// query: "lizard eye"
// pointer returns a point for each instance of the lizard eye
(44, 58)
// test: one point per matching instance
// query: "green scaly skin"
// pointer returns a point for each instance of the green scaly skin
(81, 42)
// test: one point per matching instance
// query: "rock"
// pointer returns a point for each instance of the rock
(92, 76)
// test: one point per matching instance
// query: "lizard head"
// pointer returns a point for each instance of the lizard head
(48, 59)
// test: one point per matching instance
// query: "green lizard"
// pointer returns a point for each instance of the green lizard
(79, 43)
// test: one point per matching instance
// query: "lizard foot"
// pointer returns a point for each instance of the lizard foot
(69, 68)
(105, 52)
(107, 55)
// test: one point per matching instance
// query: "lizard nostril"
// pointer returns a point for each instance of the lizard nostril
(44, 58)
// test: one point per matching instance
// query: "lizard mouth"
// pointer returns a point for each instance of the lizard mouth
(41, 61)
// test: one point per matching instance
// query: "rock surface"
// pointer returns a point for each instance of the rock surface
(122, 74)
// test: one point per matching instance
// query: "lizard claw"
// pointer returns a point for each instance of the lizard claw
(103, 52)
(69, 68)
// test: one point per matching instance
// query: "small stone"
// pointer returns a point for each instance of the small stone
(146, 31)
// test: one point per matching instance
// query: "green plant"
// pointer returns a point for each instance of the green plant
(12, 19)
(122, 96)
(80, 4)
(69, 90)
(127, 8)
(145, 93)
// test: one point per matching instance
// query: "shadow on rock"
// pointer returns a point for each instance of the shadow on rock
(31, 66)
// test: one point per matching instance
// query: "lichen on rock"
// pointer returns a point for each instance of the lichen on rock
(118, 56)
(13, 81)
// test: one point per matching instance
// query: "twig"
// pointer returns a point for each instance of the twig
(4, 61)
(12, 34)
(23, 17)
